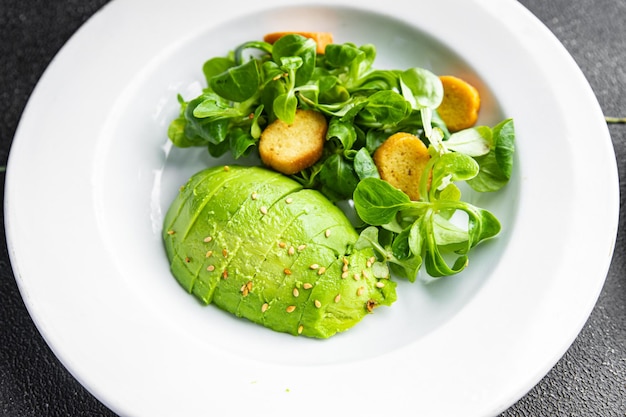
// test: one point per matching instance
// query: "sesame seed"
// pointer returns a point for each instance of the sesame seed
(263, 210)
(365, 274)
(314, 266)
(246, 288)
(287, 271)
(290, 309)
(345, 274)
(372, 260)
(208, 239)
(291, 250)
(317, 303)
(282, 245)
(187, 259)
(345, 261)
(321, 271)
(225, 253)
(360, 291)
(254, 196)
(210, 268)
(301, 248)
(380, 284)
(307, 286)
(371, 304)
(345, 268)
(209, 254)
(356, 276)
(289, 200)
(300, 328)
(225, 274)
(338, 298)
(226, 168)
(327, 233)
(264, 307)
(171, 232)
(295, 292)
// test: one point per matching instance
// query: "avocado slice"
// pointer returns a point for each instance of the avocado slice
(253, 242)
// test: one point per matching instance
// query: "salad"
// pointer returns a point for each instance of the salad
(264, 82)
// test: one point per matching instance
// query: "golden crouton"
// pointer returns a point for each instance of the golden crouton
(290, 148)
(460, 105)
(400, 160)
(321, 38)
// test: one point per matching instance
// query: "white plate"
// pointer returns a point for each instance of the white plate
(91, 174)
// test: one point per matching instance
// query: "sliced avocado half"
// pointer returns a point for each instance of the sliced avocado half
(255, 243)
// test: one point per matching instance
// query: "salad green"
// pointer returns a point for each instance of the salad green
(258, 82)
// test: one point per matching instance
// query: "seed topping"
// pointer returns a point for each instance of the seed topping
(300, 329)
(209, 254)
(287, 271)
(338, 298)
(327, 233)
(246, 288)
(290, 309)
(289, 200)
(321, 271)
(360, 291)
(225, 253)
(291, 250)
(208, 239)
(301, 248)
(263, 210)
(210, 268)
(380, 284)
(295, 292)
(264, 307)
(314, 266)
(307, 285)
(254, 195)
(317, 303)
(171, 232)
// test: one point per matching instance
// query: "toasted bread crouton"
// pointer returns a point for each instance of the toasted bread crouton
(400, 160)
(290, 148)
(460, 105)
(321, 38)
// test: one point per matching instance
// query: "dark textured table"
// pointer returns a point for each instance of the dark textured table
(589, 380)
